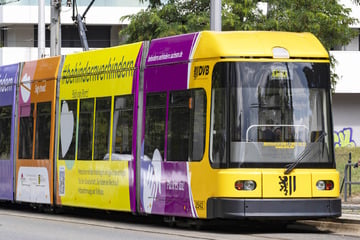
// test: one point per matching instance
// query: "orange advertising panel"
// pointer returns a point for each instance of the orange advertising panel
(36, 122)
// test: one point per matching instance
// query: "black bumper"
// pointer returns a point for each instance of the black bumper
(296, 209)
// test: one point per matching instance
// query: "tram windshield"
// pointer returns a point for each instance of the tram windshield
(271, 114)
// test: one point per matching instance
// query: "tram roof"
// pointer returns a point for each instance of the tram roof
(258, 44)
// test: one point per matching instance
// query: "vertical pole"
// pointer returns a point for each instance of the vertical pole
(55, 28)
(41, 29)
(346, 182)
(215, 15)
(82, 33)
(349, 162)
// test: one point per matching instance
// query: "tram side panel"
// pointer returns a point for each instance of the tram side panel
(35, 134)
(97, 140)
(8, 80)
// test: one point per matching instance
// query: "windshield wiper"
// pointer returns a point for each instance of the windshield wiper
(303, 154)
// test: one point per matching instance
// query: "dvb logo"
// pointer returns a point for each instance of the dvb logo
(201, 71)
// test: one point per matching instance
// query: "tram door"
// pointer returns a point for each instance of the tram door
(167, 144)
(36, 117)
(174, 129)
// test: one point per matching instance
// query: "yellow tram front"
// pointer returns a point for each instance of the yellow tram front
(270, 136)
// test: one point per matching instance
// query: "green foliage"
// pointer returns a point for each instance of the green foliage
(161, 20)
(342, 157)
(327, 19)
(240, 15)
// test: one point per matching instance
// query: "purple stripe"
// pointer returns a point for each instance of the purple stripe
(166, 78)
(171, 49)
(8, 75)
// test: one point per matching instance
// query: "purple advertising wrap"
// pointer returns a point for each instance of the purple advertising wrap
(165, 185)
(171, 49)
(171, 56)
(8, 80)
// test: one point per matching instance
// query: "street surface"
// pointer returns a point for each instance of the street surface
(30, 224)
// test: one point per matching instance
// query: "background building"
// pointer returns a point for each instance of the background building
(346, 100)
(19, 27)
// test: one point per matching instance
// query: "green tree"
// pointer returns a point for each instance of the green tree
(326, 19)
(173, 17)
(240, 15)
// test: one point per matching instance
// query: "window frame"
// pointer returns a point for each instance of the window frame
(5, 116)
(190, 103)
(39, 137)
(121, 115)
(72, 150)
(100, 113)
(29, 140)
(86, 121)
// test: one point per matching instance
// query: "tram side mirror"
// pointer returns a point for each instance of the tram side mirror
(315, 135)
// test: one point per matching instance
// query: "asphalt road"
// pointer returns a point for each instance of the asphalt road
(29, 224)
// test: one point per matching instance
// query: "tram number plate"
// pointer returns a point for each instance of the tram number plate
(199, 205)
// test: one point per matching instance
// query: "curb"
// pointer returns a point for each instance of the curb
(348, 224)
(349, 206)
(337, 227)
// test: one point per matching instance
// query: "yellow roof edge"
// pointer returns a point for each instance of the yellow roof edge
(257, 44)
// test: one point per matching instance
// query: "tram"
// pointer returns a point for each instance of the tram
(209, 125)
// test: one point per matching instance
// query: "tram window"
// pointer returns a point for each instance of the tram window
(179, 126)
(155, 124)
(123, 125)
(198, 124)
(219, 127)
(219, 118)
(5, 132)
(68, 129)
(26, 134)
(85, 129)
(102, 127)
(42, 130)
(186, 126)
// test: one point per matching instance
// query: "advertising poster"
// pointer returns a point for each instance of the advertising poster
(34, 164)
(97, 180)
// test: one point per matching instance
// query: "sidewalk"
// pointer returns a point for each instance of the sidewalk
(349, 222)
(351, 206)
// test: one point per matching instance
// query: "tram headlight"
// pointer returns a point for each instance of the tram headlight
(320, 185)
(246, 185)
(325, 185)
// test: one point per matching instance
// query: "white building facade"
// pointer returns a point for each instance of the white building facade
(346, 100)
(19, 26)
